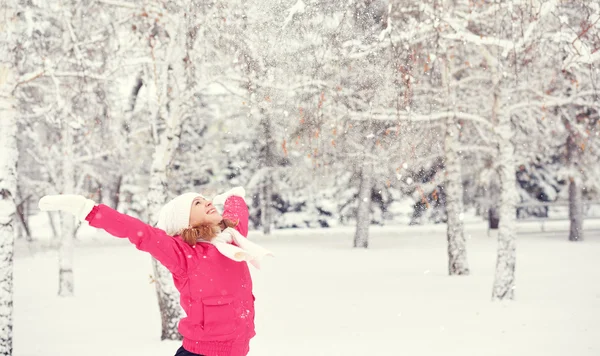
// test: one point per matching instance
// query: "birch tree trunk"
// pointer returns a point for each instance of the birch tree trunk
(457, 245)
(166, 146)
(575, 211)
(8, 189)
(168, 296)
(65, 256)
(267, 158)
(52, 227)
(266, 208)
(114, 192)
(504, 282)
(67, 221)
(575, 192)
(8, 170)
(363, 212)
(23, 225)
(493, 216)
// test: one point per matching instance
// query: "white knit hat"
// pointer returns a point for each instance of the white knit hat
(174, 217)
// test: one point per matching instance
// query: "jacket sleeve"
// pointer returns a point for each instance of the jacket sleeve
(169, 251)
(236, 210)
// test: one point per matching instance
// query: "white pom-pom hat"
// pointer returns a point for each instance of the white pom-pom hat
(174, 217)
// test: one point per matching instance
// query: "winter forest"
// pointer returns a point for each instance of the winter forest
(384, 145)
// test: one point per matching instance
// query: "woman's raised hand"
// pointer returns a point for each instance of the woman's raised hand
(77, 205)
(237, 191)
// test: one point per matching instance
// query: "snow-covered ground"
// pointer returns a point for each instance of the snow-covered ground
(321, 297)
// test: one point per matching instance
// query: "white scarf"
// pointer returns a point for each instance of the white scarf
(247, 251)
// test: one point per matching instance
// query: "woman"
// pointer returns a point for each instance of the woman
(206, 254)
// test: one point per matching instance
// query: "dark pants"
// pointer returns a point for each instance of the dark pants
(240, 347)
(184, 352)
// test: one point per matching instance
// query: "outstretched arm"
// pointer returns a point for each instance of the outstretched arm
(171, 252)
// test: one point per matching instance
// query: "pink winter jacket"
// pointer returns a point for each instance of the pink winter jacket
(216, 292)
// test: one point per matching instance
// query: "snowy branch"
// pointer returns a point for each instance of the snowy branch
(412, 117)
(94, 156)
(124, 4)
(44, 163)
(489, 150)
(29, 77)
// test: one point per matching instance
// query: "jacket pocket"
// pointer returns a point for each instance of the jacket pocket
(219, 315)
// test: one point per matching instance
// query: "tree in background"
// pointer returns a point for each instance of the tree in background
(10, 29)
(65, 56)
(327, 112)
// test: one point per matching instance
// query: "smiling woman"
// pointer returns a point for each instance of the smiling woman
(206, 253)
(205, 222)
(203, 212)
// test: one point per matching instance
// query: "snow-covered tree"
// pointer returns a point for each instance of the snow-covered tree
(327, 112)
(65, 56)
(457, 249)
(575, 81)
(9, 79)
(172, 90)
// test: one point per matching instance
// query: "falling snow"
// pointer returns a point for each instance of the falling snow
(339, 118)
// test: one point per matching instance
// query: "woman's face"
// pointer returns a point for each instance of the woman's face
(203, 213)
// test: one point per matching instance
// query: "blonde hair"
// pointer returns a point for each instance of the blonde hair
(191, 235)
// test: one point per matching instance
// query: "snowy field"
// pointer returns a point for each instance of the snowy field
(321, 297)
